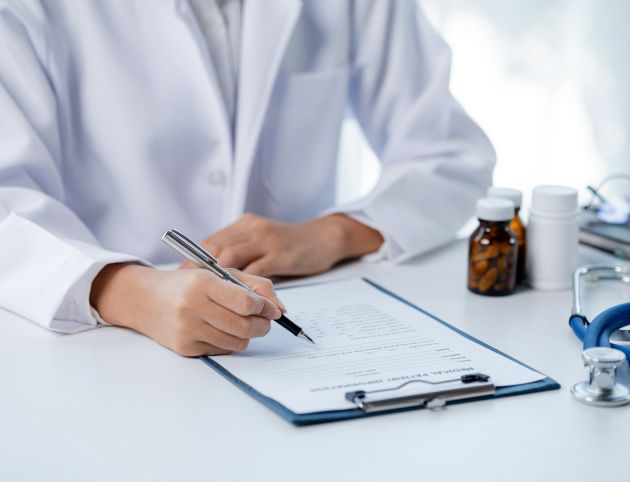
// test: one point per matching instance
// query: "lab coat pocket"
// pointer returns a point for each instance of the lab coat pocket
(300, 140)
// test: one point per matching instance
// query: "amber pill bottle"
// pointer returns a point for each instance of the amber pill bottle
(493, 249)
(516, 224)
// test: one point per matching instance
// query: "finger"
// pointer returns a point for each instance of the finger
(232, 234)
(261, 267)
(187, 265)
(262, 286)
(240, 301)
(238, 232)
(240, 254)
(211, 247)
(211, 335)
(244, 327)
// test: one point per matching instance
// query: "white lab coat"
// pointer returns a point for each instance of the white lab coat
(112, 129)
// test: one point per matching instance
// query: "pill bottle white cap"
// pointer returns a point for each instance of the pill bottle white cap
(554, 199)
(552, 237)
(495, 209)
(513, 195)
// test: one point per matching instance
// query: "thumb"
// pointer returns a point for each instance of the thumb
(269, 310)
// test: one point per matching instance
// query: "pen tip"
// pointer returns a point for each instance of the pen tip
(304, 336)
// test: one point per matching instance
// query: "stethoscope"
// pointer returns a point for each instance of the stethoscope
(602, 356)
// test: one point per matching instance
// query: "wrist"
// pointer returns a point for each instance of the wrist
(115, 291)
(350, 238)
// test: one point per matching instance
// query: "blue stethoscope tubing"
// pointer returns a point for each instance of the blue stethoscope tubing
(599, 331)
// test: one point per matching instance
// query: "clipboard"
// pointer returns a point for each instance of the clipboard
(430, 395)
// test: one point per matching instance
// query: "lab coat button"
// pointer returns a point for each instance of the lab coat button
(217, 178)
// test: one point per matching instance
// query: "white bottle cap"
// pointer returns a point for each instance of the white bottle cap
(513, 195)
(554, 199)
(495, 209)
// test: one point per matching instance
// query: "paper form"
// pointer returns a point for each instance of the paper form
(366, 339)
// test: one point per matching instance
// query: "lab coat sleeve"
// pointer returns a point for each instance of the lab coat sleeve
(48, 258)
(435, 160)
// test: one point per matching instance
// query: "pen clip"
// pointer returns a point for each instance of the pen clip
(195, 253)
(189, 249)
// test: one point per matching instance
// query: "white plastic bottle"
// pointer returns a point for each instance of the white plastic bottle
(552, 237)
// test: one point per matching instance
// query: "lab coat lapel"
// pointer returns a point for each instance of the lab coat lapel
(266, 29)
(218, 107)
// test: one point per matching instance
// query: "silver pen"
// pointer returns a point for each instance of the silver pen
(195, 253)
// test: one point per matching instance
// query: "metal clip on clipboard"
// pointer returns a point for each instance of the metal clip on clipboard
(471, 385)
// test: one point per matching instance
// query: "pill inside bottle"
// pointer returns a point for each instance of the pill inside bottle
(516, 224)
(493, 249)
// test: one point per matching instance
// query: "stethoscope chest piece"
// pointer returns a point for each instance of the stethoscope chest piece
(602, 388)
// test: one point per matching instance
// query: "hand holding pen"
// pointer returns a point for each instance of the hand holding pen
(193, 312)
(200, 257)
(190, 311)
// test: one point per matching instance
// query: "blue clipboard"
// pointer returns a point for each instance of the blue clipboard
(351, 413)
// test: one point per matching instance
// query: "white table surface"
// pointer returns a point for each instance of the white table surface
(111, 405)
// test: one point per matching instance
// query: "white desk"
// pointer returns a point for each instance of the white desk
(111, 405)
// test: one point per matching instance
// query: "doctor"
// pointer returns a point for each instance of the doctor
(120, 119)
